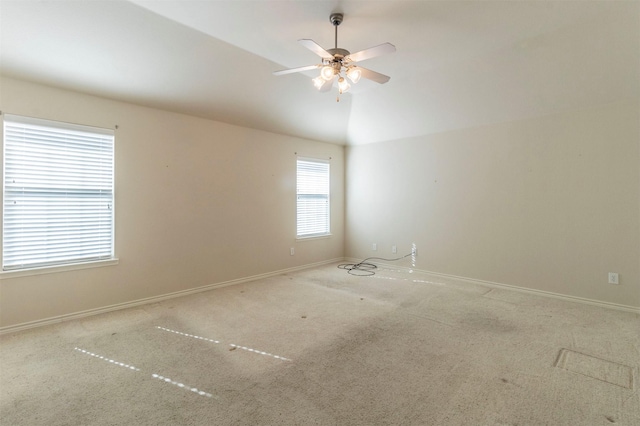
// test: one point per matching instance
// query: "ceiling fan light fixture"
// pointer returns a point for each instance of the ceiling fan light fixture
(354, 74)
(339, 64)
(343, 85)
(327, 72)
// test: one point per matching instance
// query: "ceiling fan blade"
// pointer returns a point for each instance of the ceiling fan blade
(374, 76)
(372, 52)
(299, 69)
(315, 48)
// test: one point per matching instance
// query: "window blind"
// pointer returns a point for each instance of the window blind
(313, 197)
(58, 193)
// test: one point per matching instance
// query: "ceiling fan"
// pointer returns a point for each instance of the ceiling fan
(337, 61)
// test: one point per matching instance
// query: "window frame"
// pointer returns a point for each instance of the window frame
(106, 256)
(326, 232)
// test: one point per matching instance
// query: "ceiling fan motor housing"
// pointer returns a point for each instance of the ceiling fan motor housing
(339, 53)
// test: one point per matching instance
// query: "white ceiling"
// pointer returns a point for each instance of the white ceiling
(458, 64)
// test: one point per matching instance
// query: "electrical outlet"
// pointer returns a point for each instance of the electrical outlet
(293, 251)
(374, 247)
(394, 249)
(613, 278)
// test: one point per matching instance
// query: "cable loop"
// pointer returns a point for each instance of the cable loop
(365, 269)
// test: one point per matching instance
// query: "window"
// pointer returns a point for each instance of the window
(58, 193)
(313, 197)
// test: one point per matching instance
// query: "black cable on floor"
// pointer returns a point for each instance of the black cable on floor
(365, 269)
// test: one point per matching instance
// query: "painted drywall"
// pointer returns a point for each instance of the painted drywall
(550, 203)
(197, 202)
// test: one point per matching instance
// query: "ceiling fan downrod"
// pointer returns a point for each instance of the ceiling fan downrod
(338, 54)
(336, 19)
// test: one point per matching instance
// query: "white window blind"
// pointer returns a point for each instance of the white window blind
(313, 197)
(58, 193)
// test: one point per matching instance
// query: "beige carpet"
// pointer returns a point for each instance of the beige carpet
(324, 347)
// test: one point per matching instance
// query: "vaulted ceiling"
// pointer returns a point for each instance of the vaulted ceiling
(458, 63)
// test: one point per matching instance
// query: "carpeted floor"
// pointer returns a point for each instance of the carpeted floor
(324, 347)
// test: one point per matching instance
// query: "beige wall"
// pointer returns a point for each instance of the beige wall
(198, 202)
(550, 204)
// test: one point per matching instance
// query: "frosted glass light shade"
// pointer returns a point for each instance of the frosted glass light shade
(327, 73)
(343, 85)
(354, 74)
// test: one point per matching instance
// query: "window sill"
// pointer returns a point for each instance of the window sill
(313, 237)
(4, 275)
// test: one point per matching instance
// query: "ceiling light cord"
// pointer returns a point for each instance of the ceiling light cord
(365, 269)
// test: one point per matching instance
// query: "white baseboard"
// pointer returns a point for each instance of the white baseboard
(608, 305)
(153, 299)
